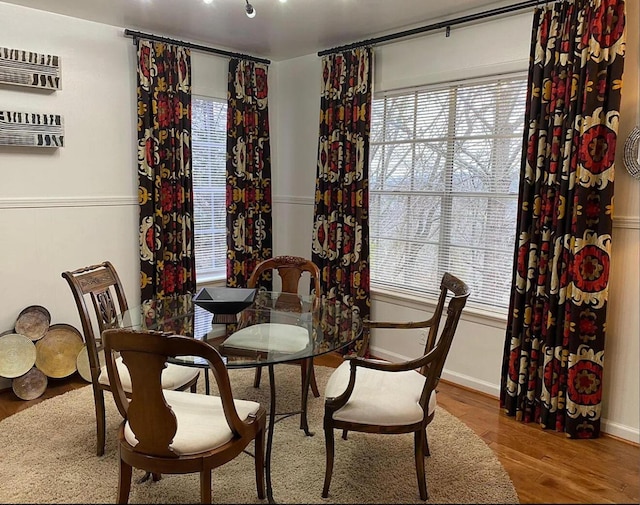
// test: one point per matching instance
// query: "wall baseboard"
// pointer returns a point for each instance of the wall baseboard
(618, 430)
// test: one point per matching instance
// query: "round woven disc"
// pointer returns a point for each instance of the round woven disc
(33, 322)
(57, 351)
(83, 365)
(17, 355)
(30, 385)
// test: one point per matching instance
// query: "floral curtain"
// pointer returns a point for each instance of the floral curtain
(167, 261)
(249, 221)
(340, 241)
(554, 347)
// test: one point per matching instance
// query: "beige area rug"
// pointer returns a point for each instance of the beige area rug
(48, 456)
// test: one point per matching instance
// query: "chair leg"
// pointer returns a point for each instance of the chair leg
(124, 482)
(427, 452)
(344, 434)
(314, 384)
(256, 378)
(329, 449)
(259, 457)
(98, 396)
(194, 386)
(304, 364)
(205, 485)
(419, 456)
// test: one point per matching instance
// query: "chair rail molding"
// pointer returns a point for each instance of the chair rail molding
(67, 201)
(630, 222)
(293, 200)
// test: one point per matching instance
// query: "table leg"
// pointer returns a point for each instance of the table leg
(272, 421)
(304, 424)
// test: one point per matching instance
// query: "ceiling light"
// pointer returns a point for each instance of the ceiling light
(208, 1)
(251, 12)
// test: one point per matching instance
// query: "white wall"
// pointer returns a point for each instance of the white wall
(295, 108)
(62, 209)
(494, 46)
(74, 206)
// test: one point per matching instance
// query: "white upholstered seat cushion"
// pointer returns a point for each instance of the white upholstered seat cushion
(201, 422)
(173, 377)
(271, 337)
(381, 398)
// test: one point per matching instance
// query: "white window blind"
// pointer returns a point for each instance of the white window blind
(208, 155)
(444, 174)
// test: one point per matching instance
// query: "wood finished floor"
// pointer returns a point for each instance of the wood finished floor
(545, 467)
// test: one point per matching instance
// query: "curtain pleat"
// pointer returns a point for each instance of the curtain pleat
(167, 260)
(340, 240)
(249, 212)
(554, 346)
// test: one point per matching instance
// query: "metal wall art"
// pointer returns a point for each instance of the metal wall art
(632, 153)
(25, 68)
(29, 129)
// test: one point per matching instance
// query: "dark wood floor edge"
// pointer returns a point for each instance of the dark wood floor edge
(496, 399)
(604, 434)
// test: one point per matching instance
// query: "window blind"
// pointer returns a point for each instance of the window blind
(208, 155)
(444, 175)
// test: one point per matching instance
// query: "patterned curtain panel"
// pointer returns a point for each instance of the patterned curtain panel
(554, 346)
(167, 261)
(340, 242)
(249, 222)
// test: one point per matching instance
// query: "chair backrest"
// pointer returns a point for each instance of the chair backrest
(145, 354)
(102, 285)
(290, 269)
(437, 351)
(445, 288)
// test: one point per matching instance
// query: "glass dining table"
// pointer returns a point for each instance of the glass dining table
(276, 328)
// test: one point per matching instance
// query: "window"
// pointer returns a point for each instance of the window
(444, 175)
(209, 155)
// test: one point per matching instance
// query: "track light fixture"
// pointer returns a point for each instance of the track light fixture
(251, 12)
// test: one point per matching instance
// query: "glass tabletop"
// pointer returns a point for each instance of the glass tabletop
(276, 328)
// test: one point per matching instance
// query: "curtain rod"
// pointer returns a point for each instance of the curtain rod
(435, 26)
(229, 54)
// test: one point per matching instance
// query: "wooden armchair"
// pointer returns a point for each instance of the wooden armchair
(102, 285)
(374, 396)
(166, 431)
(290, 270)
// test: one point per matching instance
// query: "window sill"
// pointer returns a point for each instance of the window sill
(210, 280)
(471, 314)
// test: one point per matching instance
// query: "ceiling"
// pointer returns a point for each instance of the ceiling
(279, 31)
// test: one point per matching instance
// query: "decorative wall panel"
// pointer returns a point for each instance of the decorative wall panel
(29, 129)
(25, 68)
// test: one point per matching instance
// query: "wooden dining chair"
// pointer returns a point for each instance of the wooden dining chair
(173, 432)
(375, 396)
(290, 269)
(101, 284)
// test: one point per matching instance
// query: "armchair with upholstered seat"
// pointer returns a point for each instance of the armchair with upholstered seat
(101, 284)
(172, 432)
(374, 396)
